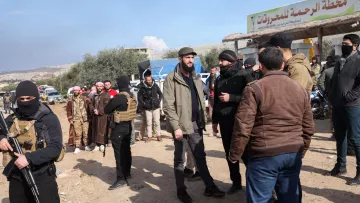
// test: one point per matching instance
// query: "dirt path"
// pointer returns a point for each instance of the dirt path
(86, 176)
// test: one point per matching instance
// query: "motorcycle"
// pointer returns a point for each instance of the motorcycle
(319, 104)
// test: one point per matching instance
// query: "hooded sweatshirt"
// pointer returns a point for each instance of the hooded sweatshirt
(299, 68)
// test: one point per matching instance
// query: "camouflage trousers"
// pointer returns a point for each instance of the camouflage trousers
(81, 133)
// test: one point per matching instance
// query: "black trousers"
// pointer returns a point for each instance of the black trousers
(19, 191)
(120, 140)
(196, 144)
(226, 129)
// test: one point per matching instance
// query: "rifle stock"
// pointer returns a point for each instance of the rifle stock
(26, 172)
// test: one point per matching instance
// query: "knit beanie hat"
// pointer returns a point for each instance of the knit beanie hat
(228, 55)
(27, 88)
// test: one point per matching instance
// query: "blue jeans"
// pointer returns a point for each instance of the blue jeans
(347, 123)
(280, 172)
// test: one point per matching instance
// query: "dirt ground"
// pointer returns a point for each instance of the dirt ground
(86, 176)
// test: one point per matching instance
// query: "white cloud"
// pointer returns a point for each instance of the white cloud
(158, 45)
(16, 12)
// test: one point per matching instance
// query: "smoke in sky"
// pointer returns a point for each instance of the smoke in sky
(158, 45)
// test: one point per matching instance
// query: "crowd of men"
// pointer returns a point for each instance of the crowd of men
(263, 111)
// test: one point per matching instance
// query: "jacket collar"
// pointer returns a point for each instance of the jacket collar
(275, 72)
(178, 75)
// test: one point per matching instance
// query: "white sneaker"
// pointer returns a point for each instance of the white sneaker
(87, 148)
(102, 148)
(77, 150)
(96, 148)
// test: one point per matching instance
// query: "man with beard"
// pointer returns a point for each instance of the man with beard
(99, 122)
(344, 95)
(78, 112)
(40, 136)
(184, 108)
(123, 109)
(229, 87)
(108, 88)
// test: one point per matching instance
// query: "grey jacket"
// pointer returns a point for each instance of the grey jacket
(177, 102)
(324, 80)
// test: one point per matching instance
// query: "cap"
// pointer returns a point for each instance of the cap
(186, 50)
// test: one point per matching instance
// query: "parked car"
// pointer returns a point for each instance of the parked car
(54, 97)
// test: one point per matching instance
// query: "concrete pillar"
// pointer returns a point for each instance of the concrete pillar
(320, 42)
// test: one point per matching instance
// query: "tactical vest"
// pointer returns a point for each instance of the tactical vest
(130, 113)
(25, 133)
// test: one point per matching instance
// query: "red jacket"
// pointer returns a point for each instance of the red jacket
(112, 93)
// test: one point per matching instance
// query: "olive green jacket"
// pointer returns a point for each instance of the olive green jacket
(177, 102)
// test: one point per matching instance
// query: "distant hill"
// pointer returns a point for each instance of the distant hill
(35, 74)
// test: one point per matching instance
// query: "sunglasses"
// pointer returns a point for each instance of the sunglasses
(25, 98)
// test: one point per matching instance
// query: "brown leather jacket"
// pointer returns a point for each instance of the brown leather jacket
(273, 118)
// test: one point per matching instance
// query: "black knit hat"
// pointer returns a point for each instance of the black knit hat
(281, 40)
(27, 88)
(228, 55)
(123, 82)
(250, 61)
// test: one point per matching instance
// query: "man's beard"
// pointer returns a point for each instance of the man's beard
(99, 91)
(224, 69)
(187, 68)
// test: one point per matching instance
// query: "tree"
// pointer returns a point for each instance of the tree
(9, 87)
(108, 64)
(211, 58)
(327, 49)
(171, 54)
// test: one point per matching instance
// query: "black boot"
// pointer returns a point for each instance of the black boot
(356, 180)
(183, 195)
(214, 191)
(235, 187)
(337, 170)
(188, 172)
(120, 182)
(195, 177)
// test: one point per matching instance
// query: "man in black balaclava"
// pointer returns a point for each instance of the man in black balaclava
(123, 107)
(39, 155)
(226, 101)
(344, 95)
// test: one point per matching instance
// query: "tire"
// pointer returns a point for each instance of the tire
(317, 109)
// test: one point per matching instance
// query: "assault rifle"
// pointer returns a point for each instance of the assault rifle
(26, 172)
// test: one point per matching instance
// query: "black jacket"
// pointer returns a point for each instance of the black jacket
(149, 97)
(344, 89)
(48, 127)
(232, 82)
